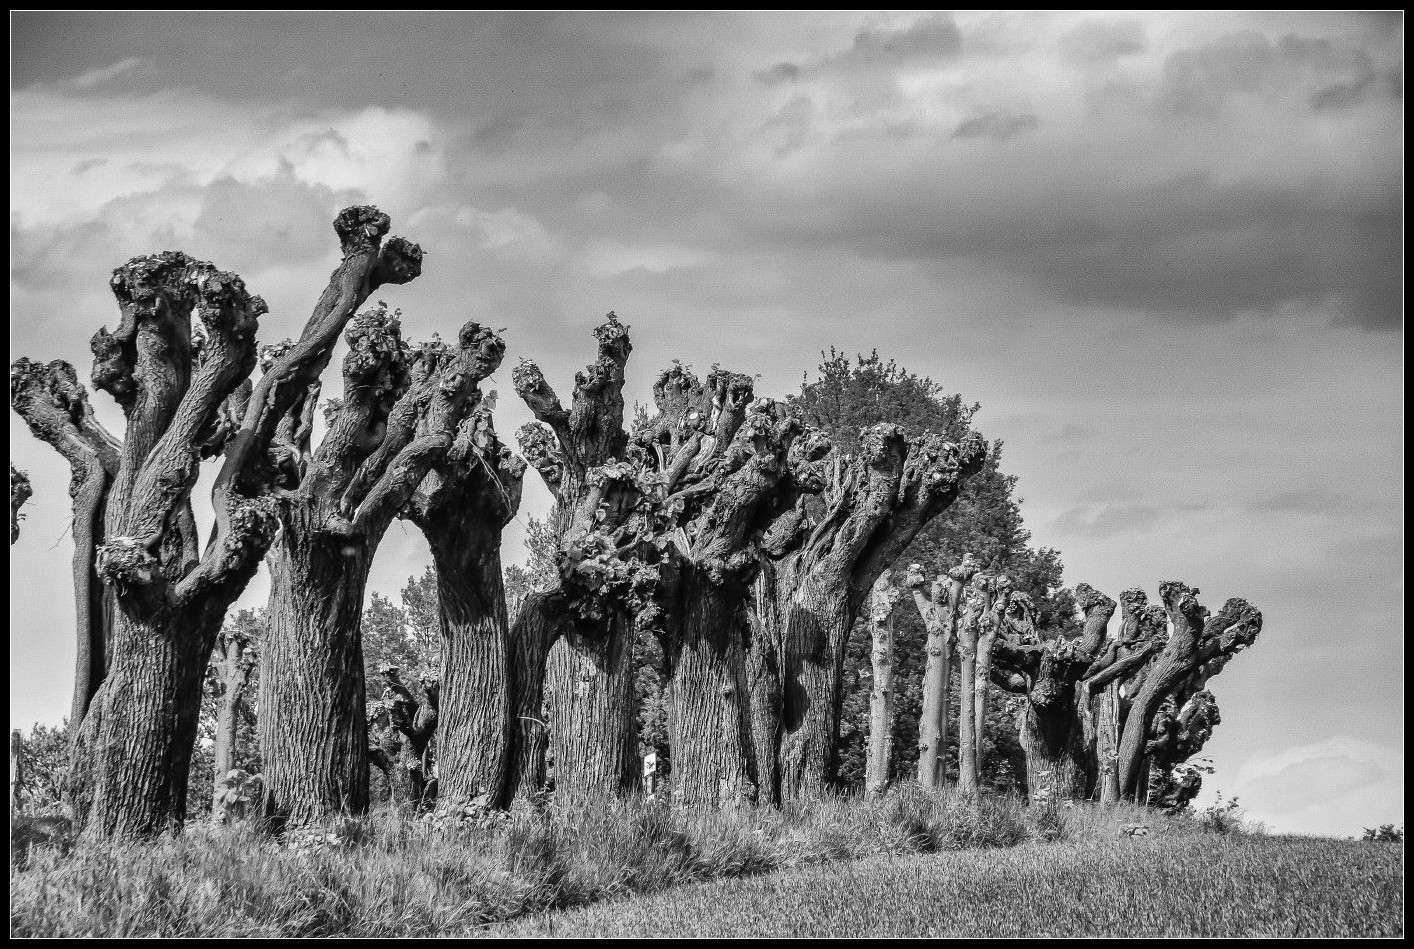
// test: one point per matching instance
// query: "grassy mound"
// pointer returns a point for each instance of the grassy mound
(392, 874)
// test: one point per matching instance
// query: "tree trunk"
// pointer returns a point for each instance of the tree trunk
(967, 778)
(763, 684)
(132, 754)
(982, 679)
(817, 622)
(937, 676)
(234, 676)
(1107, 720)
(1047, 737)
(707, 722)
(475, 723)
(589, 699)
(881, 701)
(313, 729)
(536, 627)
(17, 765)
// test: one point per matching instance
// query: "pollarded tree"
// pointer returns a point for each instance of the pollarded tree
(1198, 647)
(467, 498)
(823, 560)
(1047, 673)
(573, 637)
(55, 406)
(725, 479)
(20, 492)
(232, 663)
(882, 601)
(1111, 683)
(401, 415)
(939, 605)
(185, 393)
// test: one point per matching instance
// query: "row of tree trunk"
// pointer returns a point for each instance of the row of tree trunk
(742, 539)
(1103, 717)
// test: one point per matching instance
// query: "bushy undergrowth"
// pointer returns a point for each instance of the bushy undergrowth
(394, 874)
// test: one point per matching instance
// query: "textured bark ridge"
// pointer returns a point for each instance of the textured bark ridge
(178, 364)
(940, 605)
(20, 492)
(231, 665)
(827, 555)
(403, 413)
(462, 506)
(573, 645)
(882, 601)
(1198, 647)
(1048, 675)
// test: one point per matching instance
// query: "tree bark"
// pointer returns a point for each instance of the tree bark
(313, 724)
(474, 741)
(990, 589)
(879, 758)
(134, 746)
(968, 779)
(589, 700)
(537, 626)
(707, 708)
(817, 628)
(763, 683)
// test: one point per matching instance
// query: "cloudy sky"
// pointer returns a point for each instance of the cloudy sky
(1163, 251)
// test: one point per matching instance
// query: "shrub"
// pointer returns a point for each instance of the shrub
(1385, 833)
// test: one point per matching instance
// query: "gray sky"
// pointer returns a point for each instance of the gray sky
(1163, 251)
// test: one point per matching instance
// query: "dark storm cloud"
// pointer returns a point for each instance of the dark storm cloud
(1200, 82)
(997, 125)
(932, 38)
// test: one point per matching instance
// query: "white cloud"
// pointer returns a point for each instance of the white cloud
(1334, 787)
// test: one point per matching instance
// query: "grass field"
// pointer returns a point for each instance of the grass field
(915, 863)
(1152, 886)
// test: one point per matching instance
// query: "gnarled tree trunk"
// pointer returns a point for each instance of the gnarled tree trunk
(882, 600)
(707, 723)
(817, 622)
(939, 607)
(474, 493)
(313, 725)
(589, 698)
(538, 623)
(1196, 651)
(232, 666)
